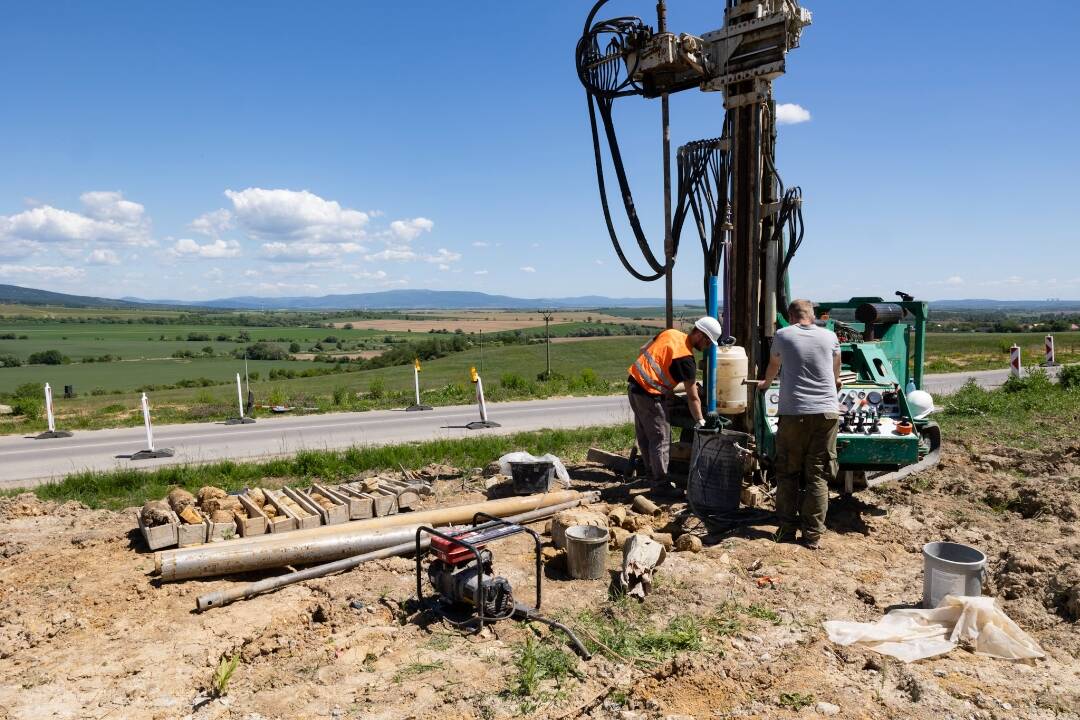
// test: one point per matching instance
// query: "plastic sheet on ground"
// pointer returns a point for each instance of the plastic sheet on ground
(560, 469)
(916, 634)
(641, 555)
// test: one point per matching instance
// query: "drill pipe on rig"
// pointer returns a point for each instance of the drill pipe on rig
(242, 592)
(333, 542)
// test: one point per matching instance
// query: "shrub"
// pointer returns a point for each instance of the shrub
(9, 361)
(1069, 377)
(263, 350)
(294, 347)
(341, 395)
(377, 388)
(198, 336)
(513, 381)
(47, 357)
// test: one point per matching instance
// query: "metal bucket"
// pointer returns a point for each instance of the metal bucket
(951, 569)
(586, 552)
(531, 477)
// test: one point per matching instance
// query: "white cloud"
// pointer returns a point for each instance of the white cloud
(444, 267)
(215, 274)
(295, 215)
(377, 275)
(598, 262)
(791, 114)
(443, 256)
(480, 244)
(528, 269)
(186, 247)
(409, 230)
(404, 253)
(12, 248)
(42, 273)
(110, 206)
(102, 256)
(213, 223)
(109, 219)
(251, 273)
(480, 272)
(301, 251)
(954, 280)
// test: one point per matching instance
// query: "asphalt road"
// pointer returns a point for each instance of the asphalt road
(25, 462)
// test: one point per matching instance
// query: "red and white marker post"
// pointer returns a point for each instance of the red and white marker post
(1014, 361)
(483, 422)
(150, 451)
(1048, 345)
(52, 432)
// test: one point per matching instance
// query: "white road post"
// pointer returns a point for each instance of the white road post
(1051, 361)
(480, 398)
(240, 395)
(146, 422)
(416, 379)
(1014, 361)
(49, 408)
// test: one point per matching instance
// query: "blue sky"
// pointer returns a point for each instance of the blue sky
(197, 150)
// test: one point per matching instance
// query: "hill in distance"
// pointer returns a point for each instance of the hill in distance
(448, 300)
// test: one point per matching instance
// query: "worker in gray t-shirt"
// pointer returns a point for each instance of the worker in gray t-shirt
(807, 358)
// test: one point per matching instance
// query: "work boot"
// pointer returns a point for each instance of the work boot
(810, 543)
(665, 491)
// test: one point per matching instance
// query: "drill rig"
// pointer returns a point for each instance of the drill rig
(750, 226)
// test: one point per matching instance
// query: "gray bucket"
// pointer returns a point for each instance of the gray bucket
(951, 569)
(586, 551)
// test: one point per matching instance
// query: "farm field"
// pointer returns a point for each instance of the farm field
(957, 352)
(494, 321)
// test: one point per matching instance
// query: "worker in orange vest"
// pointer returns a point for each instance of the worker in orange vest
(665, 364)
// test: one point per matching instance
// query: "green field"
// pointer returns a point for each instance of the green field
(958, 352)
(129, 375)
(145, 342)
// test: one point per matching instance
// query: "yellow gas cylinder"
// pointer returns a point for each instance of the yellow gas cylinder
(730, 380)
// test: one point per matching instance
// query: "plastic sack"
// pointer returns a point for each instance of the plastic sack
(916, 634)
(641, 555)
(560, 469)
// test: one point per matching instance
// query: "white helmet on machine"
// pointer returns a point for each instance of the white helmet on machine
(921, 404)
(711, 327)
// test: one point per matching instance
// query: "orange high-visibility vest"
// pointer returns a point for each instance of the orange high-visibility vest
(652, 369)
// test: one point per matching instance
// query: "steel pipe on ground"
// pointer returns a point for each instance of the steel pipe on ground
(241, 592)
(331, 542)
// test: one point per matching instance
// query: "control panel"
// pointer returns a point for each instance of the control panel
(864, 409)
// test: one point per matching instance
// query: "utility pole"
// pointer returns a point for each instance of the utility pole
(548, 314)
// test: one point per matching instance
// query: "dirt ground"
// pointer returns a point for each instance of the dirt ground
(86, 632)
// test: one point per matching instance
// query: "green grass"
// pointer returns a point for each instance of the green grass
(537, 661)
(1030, 413)
(127, 376)
(416, 669)
(117, 489)
(627, 634)
(958, 352)
(444, 381)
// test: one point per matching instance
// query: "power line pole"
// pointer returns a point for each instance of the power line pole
(548, 314)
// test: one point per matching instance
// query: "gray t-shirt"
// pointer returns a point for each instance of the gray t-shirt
(807, 383)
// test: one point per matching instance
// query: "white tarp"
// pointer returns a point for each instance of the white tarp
(560, 469)
(916, 634)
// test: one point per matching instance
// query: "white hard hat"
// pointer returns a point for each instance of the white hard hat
(711, 327)
(921, 404)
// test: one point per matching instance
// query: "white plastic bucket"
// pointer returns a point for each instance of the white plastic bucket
(951, 569)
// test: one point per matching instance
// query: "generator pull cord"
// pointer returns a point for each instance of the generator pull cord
(527, 613)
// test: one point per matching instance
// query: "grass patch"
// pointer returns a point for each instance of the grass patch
(1032, 412)
(223, 674)
(117, 489)
(417, 668)
(632, 637)
(795, 700)
(537, 661)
